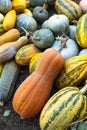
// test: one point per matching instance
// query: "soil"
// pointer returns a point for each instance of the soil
(13, 120)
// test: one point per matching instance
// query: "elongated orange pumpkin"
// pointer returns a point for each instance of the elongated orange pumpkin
(34, 91)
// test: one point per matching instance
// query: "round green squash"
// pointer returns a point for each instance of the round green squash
(58, 24)
(36, 2)
(43, 38)
(40, 14)
(27, 22)
(5, 6)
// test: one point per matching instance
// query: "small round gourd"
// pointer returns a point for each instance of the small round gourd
(27, 22)
(40, 14)
(58, 24)
(45, 38)
(83, 51)
(5, 6)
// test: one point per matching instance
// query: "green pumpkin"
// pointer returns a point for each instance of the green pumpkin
(43, 38)
(58, 24)
(27, 22)
(5, 6)
(36, 2)
(40, 14)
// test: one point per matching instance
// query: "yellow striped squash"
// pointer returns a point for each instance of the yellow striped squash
(68, 7)
(25, 53)
(64, 107)
(73, 72)
(81, 31)
(34, 62)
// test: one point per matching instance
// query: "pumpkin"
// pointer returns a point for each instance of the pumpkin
(9, 20)
(82, 126)
(72, 32)
(34, 62)
(58, 24)
(81, 31)
(8, 51)
(5, 6)
(66, 47)
(9, 36)
(36, 2)
(83, 51)
(34, 91)
(64, 107)
(25, 53)
(70, 8)
(73, 72)
(40, 14)
(19, 5)
(8, 79)
(43, 38)
(83, 5)
(27, 22)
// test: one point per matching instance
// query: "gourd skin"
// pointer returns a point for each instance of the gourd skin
(27, 22)
(9, 20)
(34, 62)
(81, 31)
(5, 6)
(32, 94)
(8, 79)
(46, 38)
(25, 53)
(9, 36)
(68, 7)
(64, 107)
(73, 72)
(58, 24)
(8, 51)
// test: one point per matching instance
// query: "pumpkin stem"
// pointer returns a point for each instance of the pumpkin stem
(75, 22)
(63, 39)
(84, 89)
(30, 34)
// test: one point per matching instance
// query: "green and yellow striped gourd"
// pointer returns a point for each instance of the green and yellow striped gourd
(34, 62)
(64, 107)
(73, 72)
(68, 7)
(81, 31)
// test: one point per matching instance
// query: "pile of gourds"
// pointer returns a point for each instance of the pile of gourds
(53, 46)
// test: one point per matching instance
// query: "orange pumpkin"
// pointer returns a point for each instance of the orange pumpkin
(34, 91)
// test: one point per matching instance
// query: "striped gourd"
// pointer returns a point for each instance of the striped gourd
(64, 107)
(81, 31)
(70, 8)
(73, 72)
(34, 62)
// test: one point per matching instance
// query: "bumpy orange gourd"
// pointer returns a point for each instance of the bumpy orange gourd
(34, 91)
